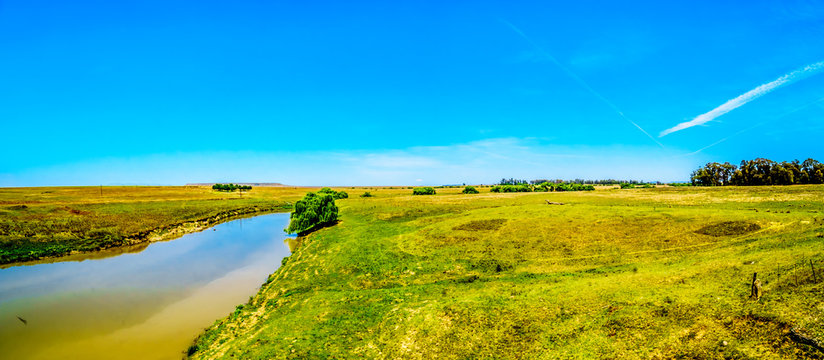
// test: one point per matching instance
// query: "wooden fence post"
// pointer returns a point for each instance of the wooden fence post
(779, 277)
(756, 287)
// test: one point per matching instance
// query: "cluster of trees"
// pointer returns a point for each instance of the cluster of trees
(511, 188)
(470, 190)
(314, 211)
(759, 172)
(589, 182)
(512, 181)
(335, 194)
(426, 190)
(544, 186)
(230, 187)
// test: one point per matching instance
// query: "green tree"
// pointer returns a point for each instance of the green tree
(781, 174)
(713, 174)
(811, 172)
(426, 190)
(314, 211)
(335, 194)
(470, 190)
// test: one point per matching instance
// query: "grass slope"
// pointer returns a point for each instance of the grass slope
(642, 273)
(43, 222)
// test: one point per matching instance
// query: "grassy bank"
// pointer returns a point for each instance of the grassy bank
(47, 222)
(636, 273)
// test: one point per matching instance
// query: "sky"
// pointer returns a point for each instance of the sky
(402, 92)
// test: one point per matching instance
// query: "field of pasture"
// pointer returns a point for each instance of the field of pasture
(634, 273)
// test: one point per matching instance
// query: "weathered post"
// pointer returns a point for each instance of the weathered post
(756, 287)
(779, 276)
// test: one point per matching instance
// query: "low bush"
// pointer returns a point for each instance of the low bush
(510, 188)
(470, 190)
(426, 190)
(335, 194)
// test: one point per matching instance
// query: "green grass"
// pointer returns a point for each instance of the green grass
(42, 222)
(634, 273)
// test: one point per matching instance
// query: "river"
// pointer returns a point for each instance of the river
(145, 305)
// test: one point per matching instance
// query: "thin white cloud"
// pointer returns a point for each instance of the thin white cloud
(816, 102)
(579, 80)
(748, 96)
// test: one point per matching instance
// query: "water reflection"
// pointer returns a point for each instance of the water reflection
(145, 305)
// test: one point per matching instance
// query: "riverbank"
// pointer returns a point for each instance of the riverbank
(144, 305)
(139, 242)
(635, 273)
(48, 224)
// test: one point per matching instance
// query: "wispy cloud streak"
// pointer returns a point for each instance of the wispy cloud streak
(746, 97)
(579, 80)
(817, 102)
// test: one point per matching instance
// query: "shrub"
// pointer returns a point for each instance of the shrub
(627, 186)
(470, 190)
(426, 190)
(335, 194)
(510, 188)
(367, 194)
(314, 211)
(543, 187)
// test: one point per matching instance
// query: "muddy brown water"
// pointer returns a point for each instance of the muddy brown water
(145, 305)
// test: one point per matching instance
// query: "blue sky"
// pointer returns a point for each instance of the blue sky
(380, 93)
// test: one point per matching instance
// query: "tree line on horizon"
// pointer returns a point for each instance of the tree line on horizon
(230, 187)
(759, 172)
(542, 187)
(513, 181)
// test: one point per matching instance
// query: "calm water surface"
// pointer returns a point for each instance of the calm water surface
(145, 305)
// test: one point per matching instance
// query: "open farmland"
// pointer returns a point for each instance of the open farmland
(636, 273)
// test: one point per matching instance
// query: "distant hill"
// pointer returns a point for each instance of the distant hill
(250, 184)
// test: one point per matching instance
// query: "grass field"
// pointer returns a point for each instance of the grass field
(636, 273)
(44, 222)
